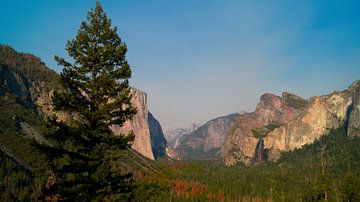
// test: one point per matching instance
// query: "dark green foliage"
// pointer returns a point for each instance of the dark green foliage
(296, 102)
(27, 66)
(327, 170)
(350, 187)
(85, 153)
(148, 191)
(329, 166)
(201, 155)
(16, 183)
(261, 133)
(18, 74)
(272, 126)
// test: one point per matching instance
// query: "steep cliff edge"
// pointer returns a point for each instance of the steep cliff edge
(250, 129)
(32, 84)
(139, 124)
(352, 123)
(175, 135)
(158, 141)
(149, 138)
(289, 122)
(322, 114)
(25, 76)
(206, 142)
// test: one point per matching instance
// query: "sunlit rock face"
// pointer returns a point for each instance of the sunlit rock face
(206, 142)
(149, 139)
(34, 88)
(322, 114)
(249, 129)
(353, 113)
(299, 122)
(171, 154)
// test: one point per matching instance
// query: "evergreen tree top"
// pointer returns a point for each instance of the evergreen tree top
(97, 47)
(100, 71)
(96, 91)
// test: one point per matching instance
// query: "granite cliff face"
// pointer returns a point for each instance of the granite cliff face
(26, 77)
(149, 138)
(206, 142)
(288, 123)
(248, 131)
(139, 124)
(175, 135)
(32, 83)
(322, 114)
(158, 141)
(353, 113)
(17, 85)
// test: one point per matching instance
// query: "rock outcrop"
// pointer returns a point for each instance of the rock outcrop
(139, 124)
(12, 83)
(32, 83)
(175, 135)
(206, 142)
(249, 129)
(288, 123)
(171, 154)
(14, 158)
(352, 123)
(27, 78)
(158, 141)
(149, 138)
(322, 114)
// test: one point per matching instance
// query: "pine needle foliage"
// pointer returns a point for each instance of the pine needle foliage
(84, 152)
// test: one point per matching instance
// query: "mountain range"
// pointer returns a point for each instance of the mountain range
(175, 135)
(31, 84)
(278, 124)
(206, 141)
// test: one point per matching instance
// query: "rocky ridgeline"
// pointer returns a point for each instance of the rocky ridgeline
(206, 141)
(278, 124)
(286, 123)
(149, 138)
(250, 128)
(175, 135)
(321, 114)
(27, 78)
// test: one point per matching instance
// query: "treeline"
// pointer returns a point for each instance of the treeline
(89, 163)
(327, 170)
(16, 182)
(26, 65)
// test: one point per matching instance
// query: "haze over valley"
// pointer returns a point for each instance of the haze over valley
(180, 101)
(197, 60)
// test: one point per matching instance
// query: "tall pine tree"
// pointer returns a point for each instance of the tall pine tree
(83, 156)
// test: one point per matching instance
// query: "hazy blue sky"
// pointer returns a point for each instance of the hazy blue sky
(201, 59)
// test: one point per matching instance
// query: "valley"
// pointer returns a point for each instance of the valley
(200, 169)
(82, 130)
